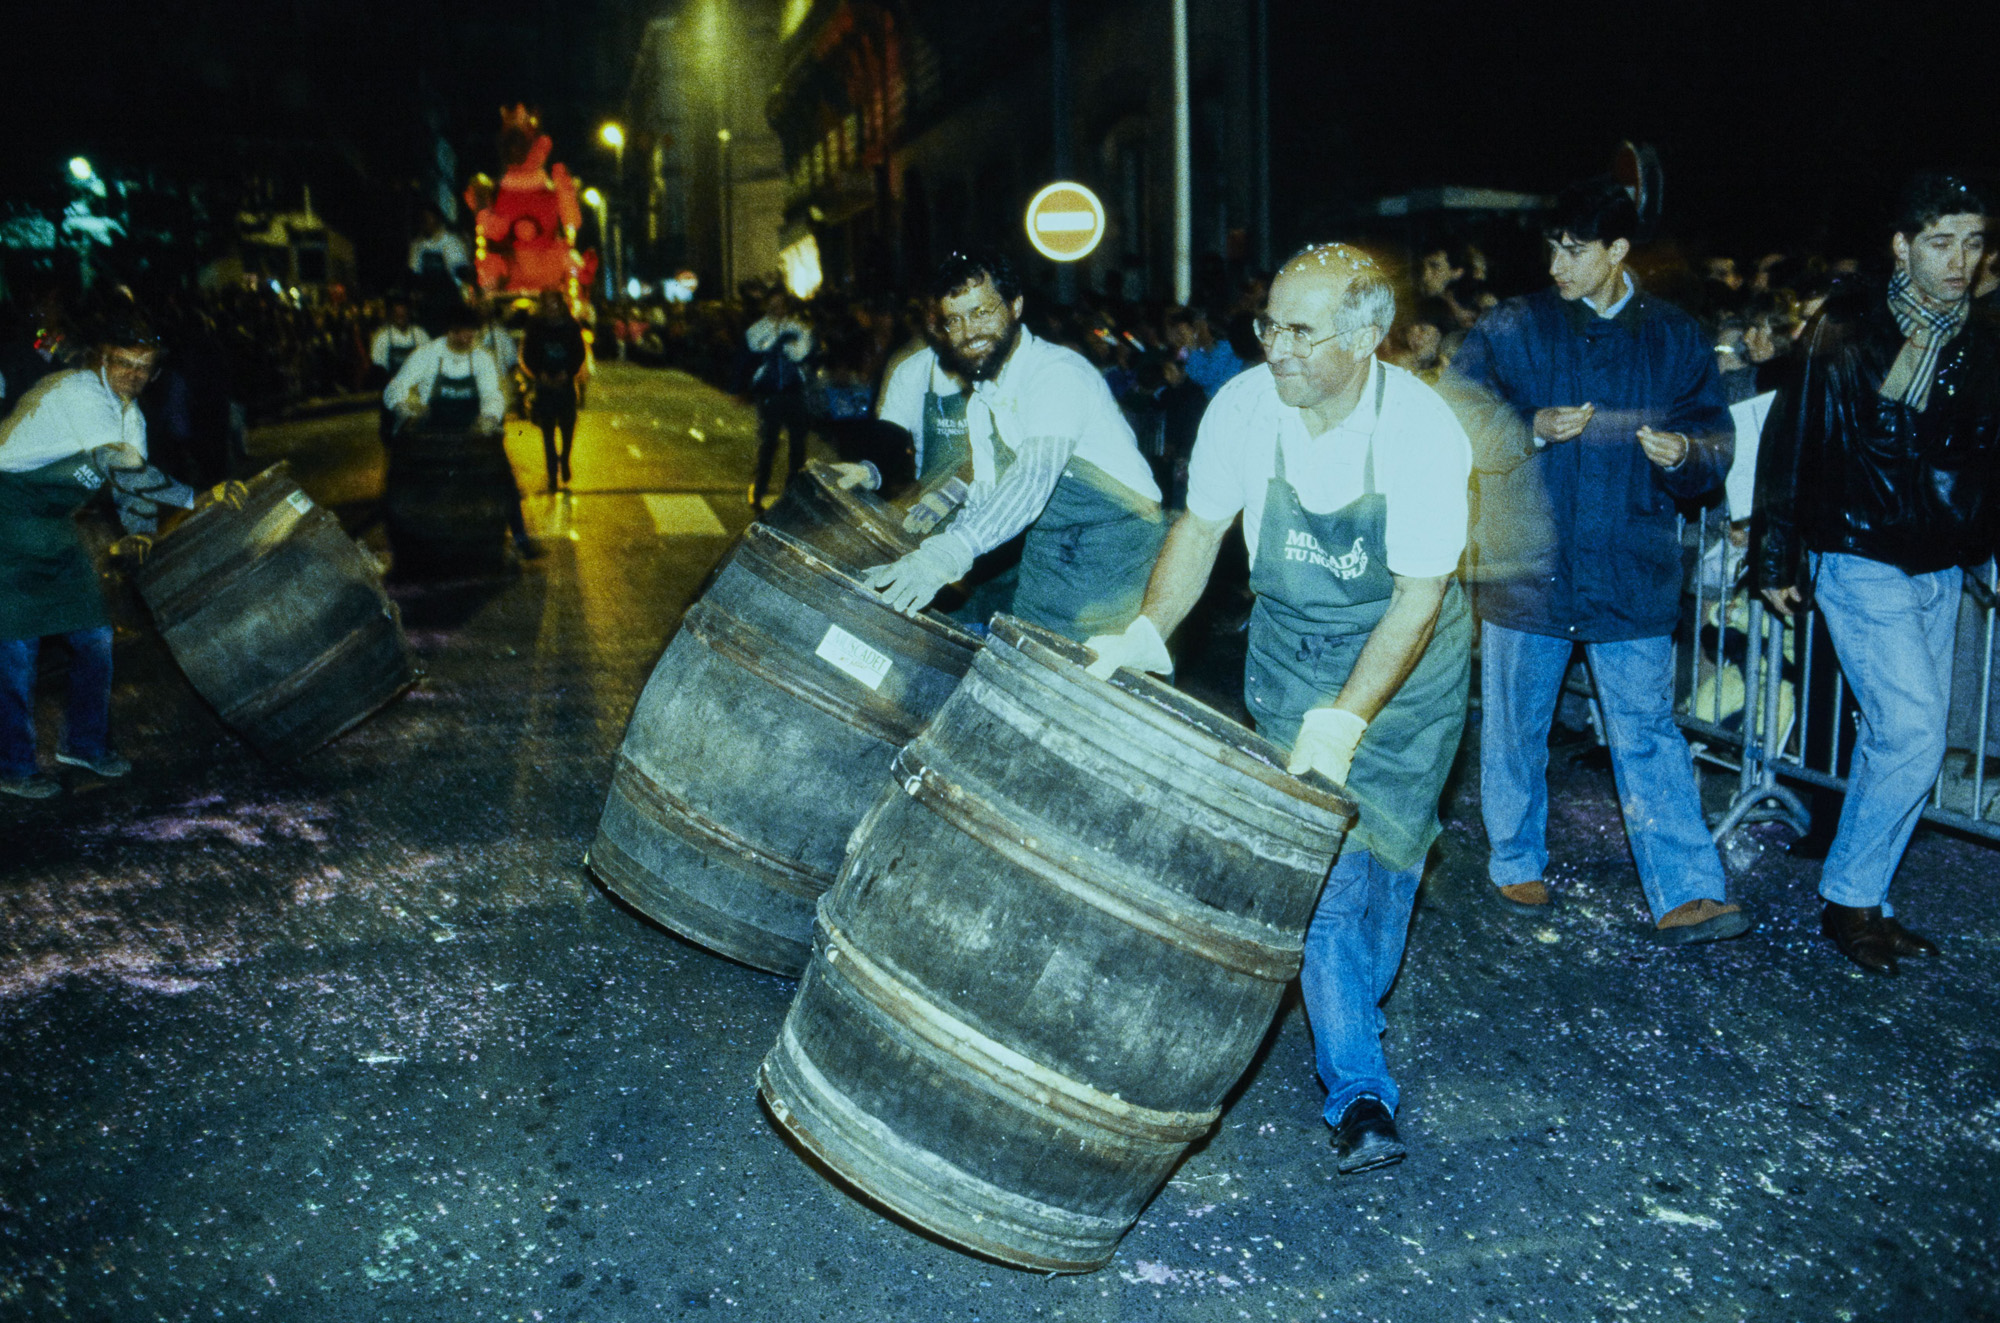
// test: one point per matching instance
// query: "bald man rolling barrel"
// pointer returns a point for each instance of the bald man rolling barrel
(1350, 478)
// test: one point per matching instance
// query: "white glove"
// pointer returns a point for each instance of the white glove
(1327, 740)
(909, 584)
(849, 476)
(1139, 647)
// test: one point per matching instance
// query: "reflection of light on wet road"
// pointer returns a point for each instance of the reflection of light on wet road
(682, 516)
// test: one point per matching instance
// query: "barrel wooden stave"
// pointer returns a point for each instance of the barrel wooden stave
(749, 758)
(1099, 1007)
(277, 618)
(853, 529)
(844, 1077)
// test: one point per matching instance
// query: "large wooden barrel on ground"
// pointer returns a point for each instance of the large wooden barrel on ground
(277, 617)
(1056, 944)
(445, 501)
(763, 736)
(853, 529)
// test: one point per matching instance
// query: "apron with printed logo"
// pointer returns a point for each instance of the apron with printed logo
(1322, 583)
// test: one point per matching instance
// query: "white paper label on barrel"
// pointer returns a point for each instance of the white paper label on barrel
(299, 501)
(850, 654)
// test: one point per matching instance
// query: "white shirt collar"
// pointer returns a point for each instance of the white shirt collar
(1617, 307)
(1023, 350)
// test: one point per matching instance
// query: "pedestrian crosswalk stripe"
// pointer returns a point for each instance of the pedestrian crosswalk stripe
(682, 515)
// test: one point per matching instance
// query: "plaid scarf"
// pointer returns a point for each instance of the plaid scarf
(1926, 329)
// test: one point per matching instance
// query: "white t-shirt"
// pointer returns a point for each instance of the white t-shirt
(1050, 406)
(68, 413)
(420, 371)
(389, 337)
(449, 247)
(1423, 464)
(902, 401)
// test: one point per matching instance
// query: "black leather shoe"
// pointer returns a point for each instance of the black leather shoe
(1904, 942)
(1858, 933)
(1366, 1138)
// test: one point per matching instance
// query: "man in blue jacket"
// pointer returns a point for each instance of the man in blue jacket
(1594, 409)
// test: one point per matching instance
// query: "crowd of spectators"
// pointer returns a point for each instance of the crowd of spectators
(249, 352)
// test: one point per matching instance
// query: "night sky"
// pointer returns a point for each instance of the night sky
(1785, 122)
(1778, 122)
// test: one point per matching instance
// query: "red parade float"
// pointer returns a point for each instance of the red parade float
(525, 226)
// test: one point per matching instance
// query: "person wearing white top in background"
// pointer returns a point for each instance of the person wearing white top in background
(452, 386)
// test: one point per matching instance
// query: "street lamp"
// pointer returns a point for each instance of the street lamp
(594, 199)
(80, 170)
(727, 185)
(612, 135)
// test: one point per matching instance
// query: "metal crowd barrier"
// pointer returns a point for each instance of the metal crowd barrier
(1776, 709)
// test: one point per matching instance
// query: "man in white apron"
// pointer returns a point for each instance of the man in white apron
(1049, 451)
(1350, 477)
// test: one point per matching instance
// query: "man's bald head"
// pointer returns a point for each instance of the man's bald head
(1354, 290)
(1329, 307)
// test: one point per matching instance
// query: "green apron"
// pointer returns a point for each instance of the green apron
(1087, 557)
(945, 448)
(47, 582)
(1084, 560)
(1322, 583)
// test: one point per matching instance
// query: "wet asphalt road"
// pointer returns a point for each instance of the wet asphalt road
(360, 1038)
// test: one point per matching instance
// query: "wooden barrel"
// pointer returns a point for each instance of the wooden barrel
(1055, 946)
(764, 734)
(446, 501)
(852, 529)
(277, 617)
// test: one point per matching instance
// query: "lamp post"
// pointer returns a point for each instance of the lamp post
(726, 186)
(594, 199)
(612, 135)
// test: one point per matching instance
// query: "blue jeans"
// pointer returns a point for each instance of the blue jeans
(1520, 677)
(1894, 634)
(1354, 945)
(89, 699)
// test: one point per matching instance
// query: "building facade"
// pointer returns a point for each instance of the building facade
(912, 127)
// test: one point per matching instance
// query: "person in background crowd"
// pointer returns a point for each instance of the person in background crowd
(1593, 409)
(1209, 363)
(1878, 478)
(1350, 477)
(451, 385)
(779, 343)
(26, 356)
(553, 355)
(497, 341)
(440, 269)
(73, 434)
(393, 343)
(1050, 453)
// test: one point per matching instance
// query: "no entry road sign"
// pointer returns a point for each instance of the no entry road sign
(1065, 221)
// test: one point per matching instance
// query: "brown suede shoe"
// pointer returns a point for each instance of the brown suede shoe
(1530, 898)
(1702, 920)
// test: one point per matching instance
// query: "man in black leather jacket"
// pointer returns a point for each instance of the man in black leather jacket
(1878, 479)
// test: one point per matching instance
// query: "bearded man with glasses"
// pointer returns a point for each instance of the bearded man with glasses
(1596, 414)
(1350, 478)
(1037, 444)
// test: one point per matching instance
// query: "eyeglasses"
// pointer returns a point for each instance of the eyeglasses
(990, 315)
(1297, 341)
